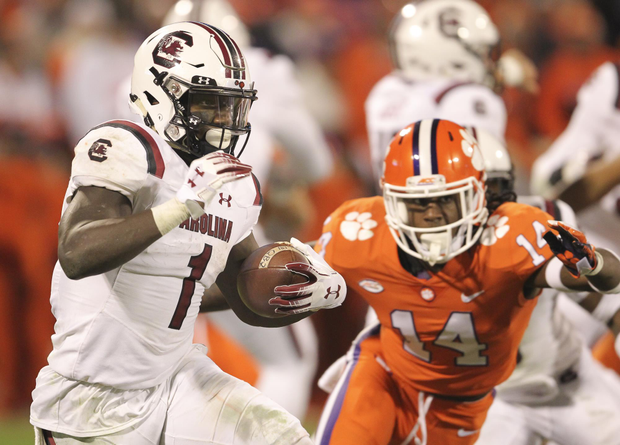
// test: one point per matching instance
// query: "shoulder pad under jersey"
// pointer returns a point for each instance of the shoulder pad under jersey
(117, 155)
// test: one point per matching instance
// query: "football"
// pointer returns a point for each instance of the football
(265, 269)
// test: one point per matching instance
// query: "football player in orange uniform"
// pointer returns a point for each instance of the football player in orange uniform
(453, 288)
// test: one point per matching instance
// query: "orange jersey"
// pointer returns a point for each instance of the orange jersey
(455, 332)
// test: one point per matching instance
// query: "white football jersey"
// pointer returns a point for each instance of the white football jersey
(129, 327)
(550, 344)
(395, 102)
(593, 132)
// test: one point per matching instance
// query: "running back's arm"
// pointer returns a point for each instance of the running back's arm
(98, 232)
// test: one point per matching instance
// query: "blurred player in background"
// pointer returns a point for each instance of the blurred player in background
(453, 291)
(557, 391)
(445, 55)
(155, 213)
(582, 167)
(286, 357)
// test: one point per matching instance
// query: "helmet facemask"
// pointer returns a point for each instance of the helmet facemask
(207, 118)
(435, 245)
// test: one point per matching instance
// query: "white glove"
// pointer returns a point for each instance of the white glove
(205, 176)
(617, 345)
(515, 69)
(324, 289)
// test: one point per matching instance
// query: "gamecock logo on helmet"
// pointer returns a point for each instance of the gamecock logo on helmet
(449, 22)
(170, 47)
(98, 152)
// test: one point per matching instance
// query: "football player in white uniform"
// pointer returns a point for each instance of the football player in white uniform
(154, 214)
(444, 54)
(582, 167)
(557, 391)
(294, 360)
(438, 73)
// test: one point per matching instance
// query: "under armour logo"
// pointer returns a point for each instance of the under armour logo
(192, 183)
(199, 172)
(332, 292)
(225, 200)
(202, 80)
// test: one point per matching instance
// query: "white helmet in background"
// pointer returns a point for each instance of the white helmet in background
(453, 39)
(218, 13)
(497, 163)
(191, 84)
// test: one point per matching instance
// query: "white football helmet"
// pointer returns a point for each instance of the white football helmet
(192, 85)
(453, 39)
(218, 13)
(497, 161)
(500, 172)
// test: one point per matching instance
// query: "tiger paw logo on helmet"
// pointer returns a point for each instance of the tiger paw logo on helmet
(471, 150)
(357, 226)
(496, 229)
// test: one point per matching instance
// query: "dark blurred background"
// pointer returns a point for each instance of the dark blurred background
(61, 64)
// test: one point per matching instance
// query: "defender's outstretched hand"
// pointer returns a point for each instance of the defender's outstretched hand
(572, 248)
(205, 176)
(324, 288)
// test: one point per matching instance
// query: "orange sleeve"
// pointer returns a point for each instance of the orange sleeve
(527, 250)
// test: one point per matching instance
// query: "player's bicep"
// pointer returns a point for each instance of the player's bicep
(91, 204)
(82, 229)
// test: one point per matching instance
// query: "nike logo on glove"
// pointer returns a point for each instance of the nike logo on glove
(464, 433)
(470, 298)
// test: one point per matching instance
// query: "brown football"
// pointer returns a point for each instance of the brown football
(262, 271)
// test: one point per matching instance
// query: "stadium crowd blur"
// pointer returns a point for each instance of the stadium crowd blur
(61, 63)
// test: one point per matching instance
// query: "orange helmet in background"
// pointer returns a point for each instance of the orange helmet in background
(429, 159)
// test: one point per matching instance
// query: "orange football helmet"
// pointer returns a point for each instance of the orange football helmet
(431, 159)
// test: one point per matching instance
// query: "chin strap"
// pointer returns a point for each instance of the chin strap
(135, 100)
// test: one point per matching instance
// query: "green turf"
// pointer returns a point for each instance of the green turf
(16, 431)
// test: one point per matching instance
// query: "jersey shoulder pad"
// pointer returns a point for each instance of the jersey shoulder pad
(356, 210)
(388, 85)
(602, 88)
(351, 233)
(475, 105)
(513, 234)
(118, 155)
(479, 98)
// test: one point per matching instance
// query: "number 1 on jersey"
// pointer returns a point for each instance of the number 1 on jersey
(522, 241)
(198, 264)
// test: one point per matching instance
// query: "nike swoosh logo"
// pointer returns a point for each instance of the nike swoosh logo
(470, 298)
(464, 433)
